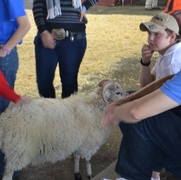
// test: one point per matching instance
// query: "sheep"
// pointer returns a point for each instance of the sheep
(49, 130)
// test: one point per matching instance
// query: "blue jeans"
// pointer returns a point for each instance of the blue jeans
(144, 143)
(68, 55)
(9, 66)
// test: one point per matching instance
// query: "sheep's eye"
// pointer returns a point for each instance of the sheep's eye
(118, 93)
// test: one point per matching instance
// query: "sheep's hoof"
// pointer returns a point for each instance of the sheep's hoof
(89, 177)
(77, 176)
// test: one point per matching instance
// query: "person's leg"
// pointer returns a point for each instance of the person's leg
(9, 67)
(173, 167)
(70, 57)
(155, 4)
(46, 62)
(144, 142)
(148, 4)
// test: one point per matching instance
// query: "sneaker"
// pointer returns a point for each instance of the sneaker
(149, 9)
(156, 8)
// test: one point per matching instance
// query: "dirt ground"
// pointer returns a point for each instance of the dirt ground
(125, 71)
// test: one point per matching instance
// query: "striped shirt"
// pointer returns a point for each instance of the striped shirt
(69, 20)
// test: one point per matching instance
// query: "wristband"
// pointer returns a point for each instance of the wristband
(144, 64)
(7, 52)
(84, 8)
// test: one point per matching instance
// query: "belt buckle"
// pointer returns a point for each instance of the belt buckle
(58, 34)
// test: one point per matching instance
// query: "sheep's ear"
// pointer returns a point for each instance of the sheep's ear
(106, 90)
(101, 83)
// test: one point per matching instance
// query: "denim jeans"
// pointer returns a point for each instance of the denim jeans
(9, 66)
(144, 143)
(68, 55)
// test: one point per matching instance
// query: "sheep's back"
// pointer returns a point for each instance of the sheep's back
(50, 127)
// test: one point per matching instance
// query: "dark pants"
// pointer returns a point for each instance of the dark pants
(147, 145)
(68, 55)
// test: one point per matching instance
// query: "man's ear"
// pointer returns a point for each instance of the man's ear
(173, 37)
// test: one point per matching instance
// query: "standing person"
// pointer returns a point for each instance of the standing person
(61, 39)
(172, 6)
(151, 5)
(154, 129)
(14, 26)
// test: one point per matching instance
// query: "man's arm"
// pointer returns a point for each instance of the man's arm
(144, 91)
(145, 76)
(139, 109)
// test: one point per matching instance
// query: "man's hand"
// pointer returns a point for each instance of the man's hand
(146, 53)
(111, 117)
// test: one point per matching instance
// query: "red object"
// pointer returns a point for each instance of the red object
(6, 91)
(114, 2)
(173, 7)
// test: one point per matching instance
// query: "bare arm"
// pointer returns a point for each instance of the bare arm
(143, 91)
(137, 110)
(23, 28)
(145, 73)
(137, 95)
(145, 76)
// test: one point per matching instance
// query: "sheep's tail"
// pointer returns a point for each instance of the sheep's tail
(1, 136)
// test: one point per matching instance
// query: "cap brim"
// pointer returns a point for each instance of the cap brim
(151, 26)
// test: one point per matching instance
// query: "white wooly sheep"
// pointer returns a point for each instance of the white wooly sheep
(48, 130)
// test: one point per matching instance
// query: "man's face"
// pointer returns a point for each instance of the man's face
(159, 41)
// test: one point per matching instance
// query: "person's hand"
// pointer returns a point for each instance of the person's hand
(47, 39)
(23, 100)
(111, 116)
(82, 15)
(146, 53)
(2, 53)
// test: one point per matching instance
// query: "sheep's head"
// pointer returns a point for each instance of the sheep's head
(111, 91)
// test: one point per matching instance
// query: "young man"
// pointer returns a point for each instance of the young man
(154, 129)
(166, 43)
(163, 37)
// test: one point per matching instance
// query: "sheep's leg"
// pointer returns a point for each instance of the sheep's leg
(89, 169)
(8, 174)
(76, 167)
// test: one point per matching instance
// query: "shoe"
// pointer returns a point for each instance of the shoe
(156, 8)
(149, 9)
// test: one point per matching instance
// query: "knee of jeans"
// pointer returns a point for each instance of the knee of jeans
(46, 92)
